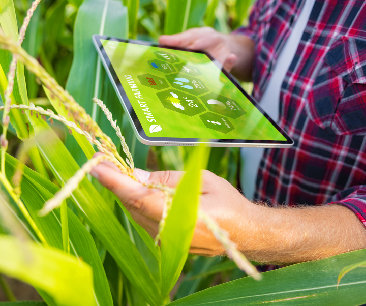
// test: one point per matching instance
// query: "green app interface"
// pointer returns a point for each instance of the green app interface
(180, 94)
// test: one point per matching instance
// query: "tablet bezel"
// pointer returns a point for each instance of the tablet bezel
(169, 141)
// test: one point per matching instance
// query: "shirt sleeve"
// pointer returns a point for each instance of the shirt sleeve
(355, 199)
(251, 29)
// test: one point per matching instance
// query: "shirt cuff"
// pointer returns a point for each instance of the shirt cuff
(244, 31)
(356, 201)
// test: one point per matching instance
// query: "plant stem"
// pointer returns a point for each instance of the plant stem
(21, 206)
(7, 290)
(37, 162)
(65, 227)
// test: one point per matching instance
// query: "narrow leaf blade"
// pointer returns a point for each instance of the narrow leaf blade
(181, 220)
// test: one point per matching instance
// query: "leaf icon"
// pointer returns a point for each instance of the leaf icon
(155, 128)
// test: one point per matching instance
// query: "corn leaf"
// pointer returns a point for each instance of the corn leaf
(36, 190)
(309, 283)
(241, 10)
(65, 278)
(138, 150)
(9, 24)
(31, 44)
(184, 14)
(349, 268)
(16, 118)
(176, 16)
(133, 8)
(99, 217)
(211, 13)
(190, 284)
(142, 239)
(179, 225)
(196, 13)
(105, 17)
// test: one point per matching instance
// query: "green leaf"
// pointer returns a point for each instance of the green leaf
(99, 217)
(81, 140)
(241, 10)
(105, 17)
(31, 44)
(349, 268)
(177, 16)
(18, 120)
(9, 24)
(220, 267)
(196, 13)
(143, 241)
(54, 24)
(65, 278)
(211, 13)
(310, 283)
(36, 190)
(133, 8)
(190, 284)
(138, 150)
(181, 220)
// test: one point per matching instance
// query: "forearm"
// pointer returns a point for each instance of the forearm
(290, 235)
(243, 48)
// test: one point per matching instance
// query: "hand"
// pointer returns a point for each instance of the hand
(264, 234)
(207, 39)
(234, 52)
(219, 199)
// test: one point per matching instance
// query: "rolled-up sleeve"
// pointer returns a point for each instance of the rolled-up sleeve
(251, 29)
(355, 199)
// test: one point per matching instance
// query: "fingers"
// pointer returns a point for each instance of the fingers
(168, 178)
(136, 197)
(187, 39)
(230, 62)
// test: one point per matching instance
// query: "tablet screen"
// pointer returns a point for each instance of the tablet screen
(181, 94)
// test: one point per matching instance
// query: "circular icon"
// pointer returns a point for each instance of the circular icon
(216, 122)
(223, 105)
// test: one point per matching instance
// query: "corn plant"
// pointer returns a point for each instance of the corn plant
(73, 240)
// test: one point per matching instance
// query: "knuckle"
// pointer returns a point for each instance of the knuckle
(165, 178)
(135, 203)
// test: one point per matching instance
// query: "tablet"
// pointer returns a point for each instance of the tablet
(182, 97)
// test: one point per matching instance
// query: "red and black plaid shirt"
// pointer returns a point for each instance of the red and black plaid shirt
(322, 103)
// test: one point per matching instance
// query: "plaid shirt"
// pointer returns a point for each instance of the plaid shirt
(322, 103)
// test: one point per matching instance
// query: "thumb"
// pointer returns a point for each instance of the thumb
(230, 62)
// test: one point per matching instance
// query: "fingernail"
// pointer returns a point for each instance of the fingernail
(94, 173)
(142, 175)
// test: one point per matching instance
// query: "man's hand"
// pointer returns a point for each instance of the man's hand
(219, 199)
(264, 234)
(232, 51)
